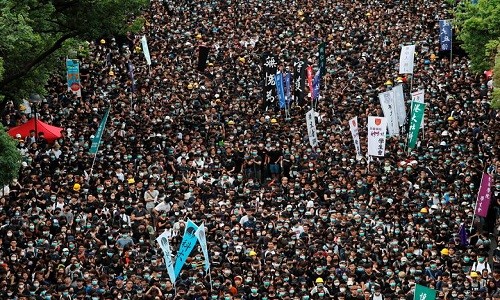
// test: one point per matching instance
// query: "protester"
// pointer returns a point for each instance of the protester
(284, 220)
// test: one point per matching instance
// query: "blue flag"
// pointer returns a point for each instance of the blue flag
(445, 35)
(278, 78)
(98, 135)
(464, 237)
(288, 87)
(189, 240)
(316, 81)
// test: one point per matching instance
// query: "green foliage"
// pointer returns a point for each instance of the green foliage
(479, 29)
(37, 35)
(495, 103)
(10, 158)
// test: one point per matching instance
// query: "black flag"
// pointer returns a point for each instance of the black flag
(202, 57)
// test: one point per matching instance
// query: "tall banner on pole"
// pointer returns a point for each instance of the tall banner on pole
(270, 63)
(322, 58)
(353, 125)
(377, 128)
(288, 87)
(98, 135)
(202, 239)
(145, 49)
(315, 84)
(445, 35)
(389, 108)
(299, 80)
(188, 242)
(311, 128)
(399, 100)
(73, 76)
(167, 255)
(418, 97)
(406, 59)
(280, 91)
(424, 293)
(417, 115)
(484, 196)
(310, 81)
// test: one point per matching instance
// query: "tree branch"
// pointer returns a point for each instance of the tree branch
(32, 64)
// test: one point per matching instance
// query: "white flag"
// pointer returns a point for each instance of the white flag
(377, 127)
(418, 97)
(202, 239)
(167, 254)
(145, 49)
(353, 125)
(406, 59)
(389, 108)
(311, 128)
(399, 99)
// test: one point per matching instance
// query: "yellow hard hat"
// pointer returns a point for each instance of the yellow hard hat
(230, 123)
(319, 280)
(300, 13)
(103, 41)
(190, 86)
(242, 59)
(111, 73)
(424, 210)
(76, 187)
(252, 253)
(198, 36)
(273, 120)
(130, 181)
(388, 82)
(474, 274)
(451, 118)
(445, 251)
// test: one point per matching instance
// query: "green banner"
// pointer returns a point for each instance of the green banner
(417, 115)
(322, 58)
(424, 293)
(98, 135)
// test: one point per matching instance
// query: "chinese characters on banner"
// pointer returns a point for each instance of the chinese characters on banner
(202, 239)
(316, 83)
(377, 127)
(167, 254)
(445, 35)
(418, 97)
(399, 100)
(484, 196)
(299, 80)
(424, 293)
(311, 128)
(188, 242)
(417, 115)
(322, 59)
(73, 76)
(310, 80)
(288, 87)
(278, 79)
(353, 125)
(269, 71)
(389, 108)
(406, 59)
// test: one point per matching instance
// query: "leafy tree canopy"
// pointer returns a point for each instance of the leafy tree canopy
(10, 158)
(36, 34)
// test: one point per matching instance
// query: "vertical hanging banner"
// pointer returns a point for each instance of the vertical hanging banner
(418, 97)
(353, 125)
(280, 91)
(310, 80)
(188, 242)
(399, 100)
(424, 293)
(131, 76)
(377, 128)
(288, 87)
(98, 135)
(311, 128)
(73, 76)
(406, 59)
(202, 57)
(417, 115)
(299, 80)
(316, 85)
(445, 35)
(389, 109)
(145, 50)
(202, 239)
(322, 58)
(270, 63)
(167, 254)
(484, 196)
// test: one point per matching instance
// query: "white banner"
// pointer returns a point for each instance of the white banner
(145, 49)
(389, 108)
(399, 99)
(353, 125)
(419, 97)
(311, 128)
(202, 239)
(377, 127)
(406, 59)
(167, 254)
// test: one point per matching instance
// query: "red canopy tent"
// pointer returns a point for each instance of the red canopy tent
(51, 133)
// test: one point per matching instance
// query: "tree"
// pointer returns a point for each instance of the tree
(479, 29)
(34, 32)
(10, 158)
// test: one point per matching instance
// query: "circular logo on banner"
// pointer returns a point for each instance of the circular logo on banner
(75, 87)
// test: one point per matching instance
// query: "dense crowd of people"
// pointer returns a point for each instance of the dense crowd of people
(284, 220)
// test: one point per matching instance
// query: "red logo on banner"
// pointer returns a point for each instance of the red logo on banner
(354, 123)
(75, 87)
(378, 121)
